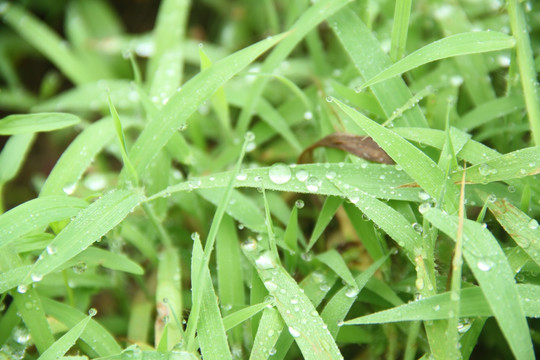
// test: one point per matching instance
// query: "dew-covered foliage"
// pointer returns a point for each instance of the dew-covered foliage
(275, 179)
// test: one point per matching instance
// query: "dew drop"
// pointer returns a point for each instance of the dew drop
(484, 265)
(492, 198)
(70, 188)
(301, 175)
(272, 351)
(265, 261)
(21, 289)
(423, 196)
(417, 227)
(249, 136)
(329, 99)
(37, 277)
(331, 175)
(299, 204)
(92, 312)
(308, 115)
(241, 176)
(437, 307)
(195, 236)
(419, 283)
(313, 183)
(354, 199)
(279, 173)
(51, 249)
(249, 245)
(424, 207)
(533, 224)
(295, 333)
(270, 286)
(351, 291)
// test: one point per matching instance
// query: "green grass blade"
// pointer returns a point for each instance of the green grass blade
(523, 229)
(210, 330)
(339, 305)
(228, 259)
(517, 164)
(270, 328)
(473, 304)
(489, 111)
(332, 258)
(490, 267)
(13, 154)
(62, 345)
(185, 102)
(94, 256)
(400, 28)
(369, 59)
(123, 148)
(47, 42)
(32, 123)
(526, 66)
(36, 214)
(413, 161)
(165, 66)
(78, 157)
(31, 311)
(238, 317)
(331, 204)
(169, 295)
(454, 45)
(89, 226)
(303, 321)
(314, 15)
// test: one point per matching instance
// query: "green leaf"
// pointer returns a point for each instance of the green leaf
(455, 45)
(303, 321)
(89, 226)
(13, 155)
(32, 123)
(331, 204)
(185, 102)
(62, 345)
(495, 277)
(95, 335)
(413, 161)
(37, 214)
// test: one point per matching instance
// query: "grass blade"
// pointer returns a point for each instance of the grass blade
(454, 45)
(490, 267)
(62, 345)
(185, 102)
(32, 123)
(36, 214)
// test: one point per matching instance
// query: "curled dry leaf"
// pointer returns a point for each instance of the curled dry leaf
(361, 146)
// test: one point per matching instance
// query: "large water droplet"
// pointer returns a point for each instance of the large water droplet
(299, 204)
(265, 261)
(295, 333)
(279, 173)
(51, 249)
(37, 277)
(21, 289)
(302, 175)
(241, 176)
(484, 265)
(533, 224)
(270, 286)
(424, 207)
(484, 170)
(92, 312)
(249, 245)
(313, 183)
(351, 291)
(70, 188)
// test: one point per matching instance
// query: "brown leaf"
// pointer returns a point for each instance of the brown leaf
(361, 146)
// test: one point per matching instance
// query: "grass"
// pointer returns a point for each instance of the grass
(176, 220)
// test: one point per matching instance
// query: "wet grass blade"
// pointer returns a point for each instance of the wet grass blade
(185, 102)
(454, 45)
(62, 345)
(37, 214)
(523, 229)
(331, 204)
(32, 123)
(369, 59)
(413, 161)
(89, 226)
(303, 321)
(490, 267)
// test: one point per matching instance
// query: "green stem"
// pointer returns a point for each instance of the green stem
(526, 66)
(165, 238)
(402, 14)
